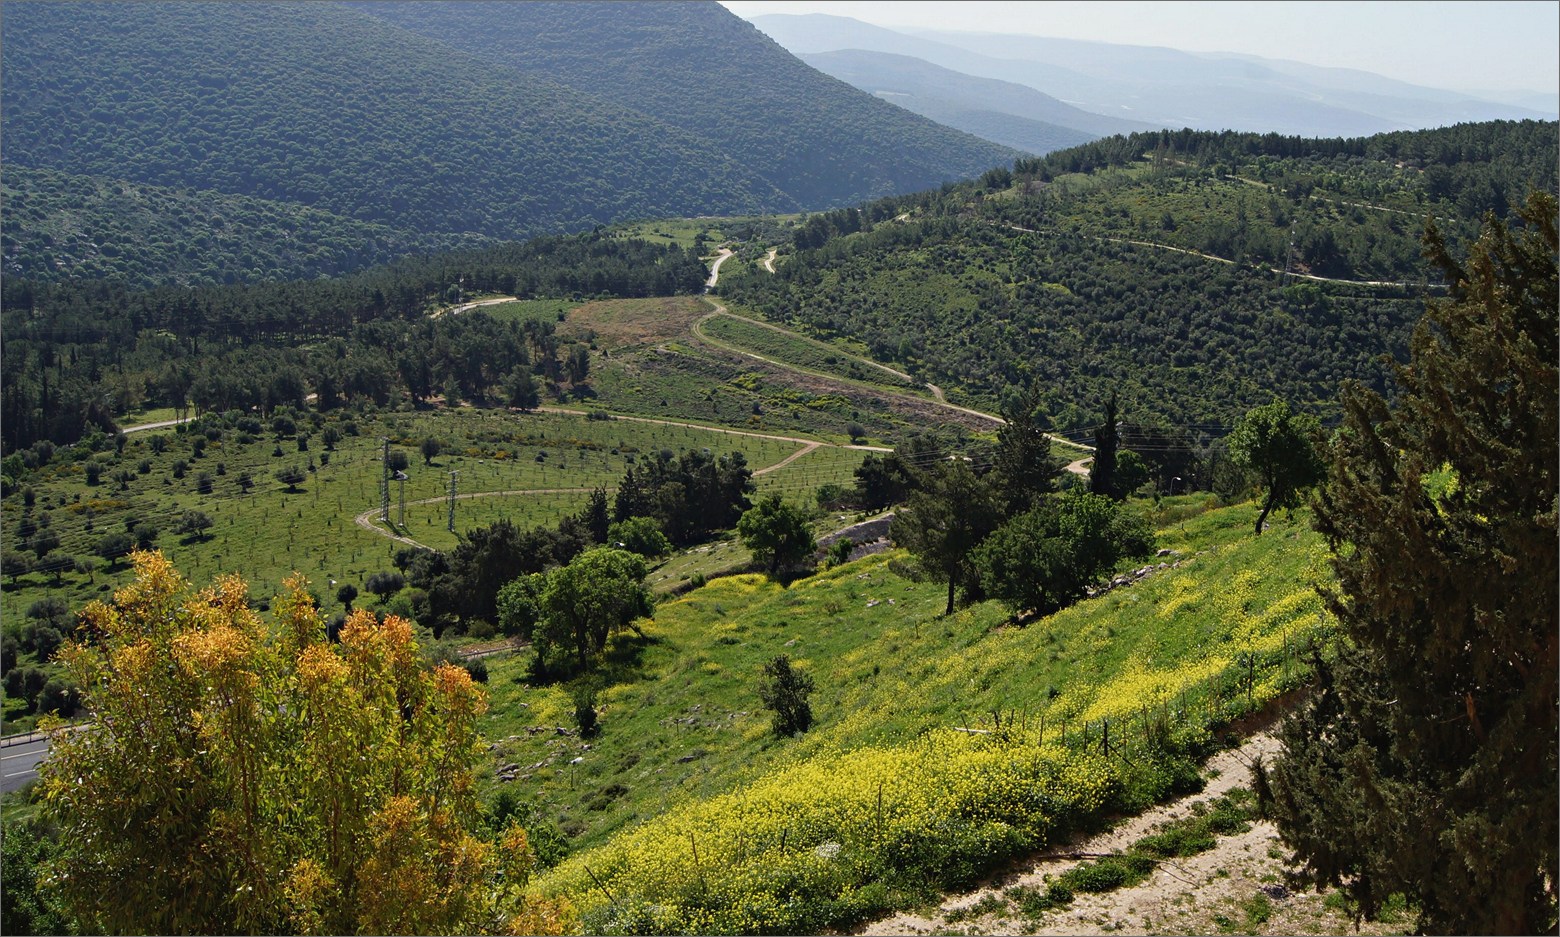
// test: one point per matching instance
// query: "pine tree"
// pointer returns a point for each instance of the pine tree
(1025, 467)
(943, 523)
(1426, 762)
(1102, 471)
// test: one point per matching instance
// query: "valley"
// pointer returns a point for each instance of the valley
(475, 480)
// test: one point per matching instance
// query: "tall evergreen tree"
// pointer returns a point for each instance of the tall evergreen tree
(1102, 472)
(596, 517)
(1026, 469)
(945, 521)
(1426, 763)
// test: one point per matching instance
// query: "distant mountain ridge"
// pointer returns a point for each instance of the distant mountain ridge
(612, 112)
(1160, 86)
(1008, 113)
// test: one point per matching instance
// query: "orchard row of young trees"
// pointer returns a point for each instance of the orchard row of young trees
(665, 500)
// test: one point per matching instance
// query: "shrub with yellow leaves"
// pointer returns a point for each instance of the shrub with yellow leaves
(237, 778)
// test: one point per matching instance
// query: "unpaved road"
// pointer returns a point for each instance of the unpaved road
(164, 424)
(722, 257)
(467, 307)
(937, 392)
(1212, 892)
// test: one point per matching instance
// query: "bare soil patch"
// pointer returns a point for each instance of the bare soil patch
(627, 323)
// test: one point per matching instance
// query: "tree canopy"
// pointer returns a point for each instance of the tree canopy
(601, 591)
(1426, 762)
(776, 533)
(1281, 447)
(1044, 560)
(239, 777)
(943, 523)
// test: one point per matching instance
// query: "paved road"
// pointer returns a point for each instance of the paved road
(20, 762)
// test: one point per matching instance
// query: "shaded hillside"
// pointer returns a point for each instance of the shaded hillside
(1003, 112)
(62, 226)
(698, 68)
(324, 106)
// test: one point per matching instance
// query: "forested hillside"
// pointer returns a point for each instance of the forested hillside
(63, 226)
(1197, 274)
(321, 105)
(169, 120)
(79, 353)
(699, 68)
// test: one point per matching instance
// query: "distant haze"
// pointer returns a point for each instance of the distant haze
(1504, 50)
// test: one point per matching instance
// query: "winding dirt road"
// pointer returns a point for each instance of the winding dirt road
(722, 257)
(937, 392)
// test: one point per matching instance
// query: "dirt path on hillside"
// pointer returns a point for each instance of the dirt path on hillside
(937, 394)
(1222, 260)
(1236, 886)
(162, 424)
(769, 259)
(467, 307)
(722, 257)
(366, 519)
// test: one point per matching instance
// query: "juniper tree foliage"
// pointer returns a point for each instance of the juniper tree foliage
(1426, 763)
(1025, 467)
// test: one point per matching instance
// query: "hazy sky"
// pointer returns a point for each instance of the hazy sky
(1454, 45)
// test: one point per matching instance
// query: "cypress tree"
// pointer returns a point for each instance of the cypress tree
(1425, 763)
(1026, 469)
(1102, 472)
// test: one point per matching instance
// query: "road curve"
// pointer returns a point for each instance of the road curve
(725, 255)
(467, 307)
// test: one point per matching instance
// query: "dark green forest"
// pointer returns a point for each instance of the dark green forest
(697, 67)
(1079, 273)
(78, 353)
(206, 143)
(60, 226)
(323, 106)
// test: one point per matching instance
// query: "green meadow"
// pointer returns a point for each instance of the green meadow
(686, 746)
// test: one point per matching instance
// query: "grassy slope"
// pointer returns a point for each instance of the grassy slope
(270, 532)
(683, 726)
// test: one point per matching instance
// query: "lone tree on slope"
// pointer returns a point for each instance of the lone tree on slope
(1280, 446)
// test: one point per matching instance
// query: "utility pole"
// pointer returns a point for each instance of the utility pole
(384, 483)
(401, 477)
(454, 479)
